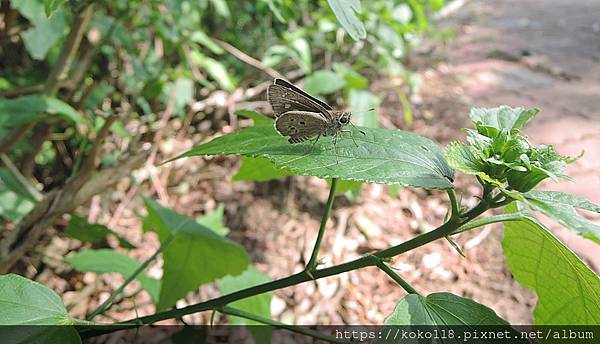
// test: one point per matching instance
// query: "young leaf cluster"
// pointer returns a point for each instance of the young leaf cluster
(498, 153)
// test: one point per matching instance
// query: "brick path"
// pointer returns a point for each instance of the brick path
(544, 54)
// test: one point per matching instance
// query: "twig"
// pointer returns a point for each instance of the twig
(242, 56)
(37, 196)
(57, 202)
(107, 303)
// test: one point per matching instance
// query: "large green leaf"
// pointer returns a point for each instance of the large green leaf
(45, 32)
(442, 309)
(259, 304)
(80, 229)
(561, 208)
(195, 256)
(25, 302)
(108, 260)
(503, 117)
(259, 169)
(345, 11)
(32, 108)
(568, 291)
(381, 156)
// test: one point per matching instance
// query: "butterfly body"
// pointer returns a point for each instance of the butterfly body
(301, 116)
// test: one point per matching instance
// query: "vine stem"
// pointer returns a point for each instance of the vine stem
(298, 329)
(108, 302)
(312, 263)
(368, 260)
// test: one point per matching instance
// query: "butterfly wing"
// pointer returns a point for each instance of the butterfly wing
(300, 125)
(284, 98)
(287, 84)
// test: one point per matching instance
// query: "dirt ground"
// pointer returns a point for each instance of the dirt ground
(537, 53)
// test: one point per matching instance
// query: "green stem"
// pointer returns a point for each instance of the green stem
(405, 285)
(518, 216)
(301, 277)
(455, 214)
(312, 263)
(298, 329)
(106, 304)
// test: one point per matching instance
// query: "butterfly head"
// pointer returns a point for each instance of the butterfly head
(344, 118)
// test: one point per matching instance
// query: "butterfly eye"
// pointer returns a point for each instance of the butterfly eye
(343, 120)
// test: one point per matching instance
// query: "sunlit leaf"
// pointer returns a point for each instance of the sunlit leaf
(25, 302)
(442, 309)
(381, 156)
(45, 31)
(345, 11)
(561, 208)
(568, 291)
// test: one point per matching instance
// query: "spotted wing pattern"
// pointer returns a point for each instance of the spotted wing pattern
(300, 125)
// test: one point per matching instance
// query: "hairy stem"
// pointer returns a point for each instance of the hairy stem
(106, 304)
(312, 263)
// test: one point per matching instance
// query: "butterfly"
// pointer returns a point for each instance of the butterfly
(301, 116)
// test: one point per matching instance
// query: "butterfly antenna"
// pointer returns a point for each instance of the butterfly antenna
(355, 127)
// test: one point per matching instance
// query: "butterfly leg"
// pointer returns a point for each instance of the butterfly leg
(312, 147)
(351, 136)
(335, 139)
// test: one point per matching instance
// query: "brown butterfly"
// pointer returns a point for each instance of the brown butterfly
(302, 116)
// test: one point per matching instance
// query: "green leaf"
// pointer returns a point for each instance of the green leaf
(215, 69)
(184, 93)
(259, 169)
(13, 206)
(259, 304)
(460, 157)
(195, 256)
(8, 180)
(324, 82)
(364, 105)
(258, 118)
(52, 5)
(45, 32)
(503, 117)
(82, 230)
(201, 37)
(214, 221)
(108, 260)
(442, 309)
(568, 291)
(382, 156)
(345, 11)
(17, 111)
(561, 208)
(26, 302)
